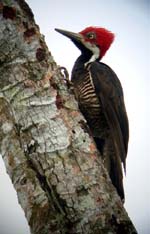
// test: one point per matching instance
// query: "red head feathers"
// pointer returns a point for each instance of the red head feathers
(99, 36)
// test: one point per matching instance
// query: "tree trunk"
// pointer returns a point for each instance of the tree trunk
(52, 161)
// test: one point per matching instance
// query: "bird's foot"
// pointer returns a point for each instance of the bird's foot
(65, 75)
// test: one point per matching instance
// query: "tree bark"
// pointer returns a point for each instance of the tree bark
(49, 155)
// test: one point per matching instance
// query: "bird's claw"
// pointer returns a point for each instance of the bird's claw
(65, 74)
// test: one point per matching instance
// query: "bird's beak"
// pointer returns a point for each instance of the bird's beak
(73, 36)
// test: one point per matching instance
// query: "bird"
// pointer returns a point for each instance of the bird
(101, 100)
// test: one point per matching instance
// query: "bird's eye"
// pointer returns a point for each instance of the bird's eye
(90, 35)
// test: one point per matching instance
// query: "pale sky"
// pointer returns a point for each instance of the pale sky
(129, 58)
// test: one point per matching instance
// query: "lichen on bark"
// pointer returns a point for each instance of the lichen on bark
(49, 154)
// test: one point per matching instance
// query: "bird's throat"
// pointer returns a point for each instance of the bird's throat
(84, 60)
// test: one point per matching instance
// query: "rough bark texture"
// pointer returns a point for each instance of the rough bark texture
(51, 159)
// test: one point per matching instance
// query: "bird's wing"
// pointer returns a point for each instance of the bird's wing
(108, 89)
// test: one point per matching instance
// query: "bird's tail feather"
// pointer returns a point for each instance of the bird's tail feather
(112, 163)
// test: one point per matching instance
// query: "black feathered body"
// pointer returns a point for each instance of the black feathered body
(100, 97)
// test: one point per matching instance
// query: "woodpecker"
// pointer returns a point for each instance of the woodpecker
(101, 100)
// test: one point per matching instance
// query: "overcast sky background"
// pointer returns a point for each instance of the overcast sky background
(129, 58)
